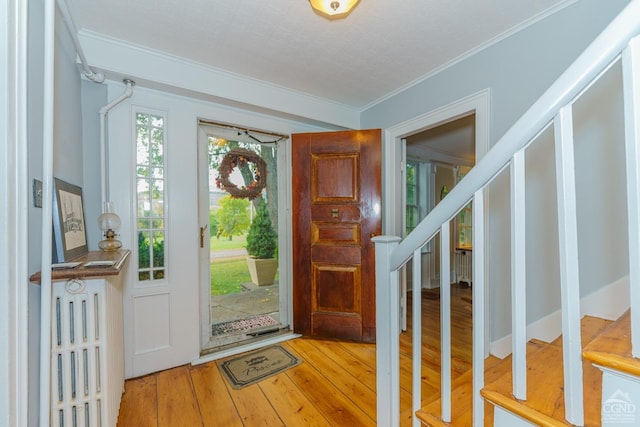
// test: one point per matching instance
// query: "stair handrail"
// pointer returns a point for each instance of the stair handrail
(596, 59)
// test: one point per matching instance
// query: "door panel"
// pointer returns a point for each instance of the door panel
(336, 210)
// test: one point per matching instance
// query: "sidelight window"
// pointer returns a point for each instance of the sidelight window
(150, 196)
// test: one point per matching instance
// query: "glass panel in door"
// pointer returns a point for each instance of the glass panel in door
(241, 233)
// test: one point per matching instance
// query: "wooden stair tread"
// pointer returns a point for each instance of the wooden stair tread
(612, 348)
(545, 398)
(462, 395)
(590, 328)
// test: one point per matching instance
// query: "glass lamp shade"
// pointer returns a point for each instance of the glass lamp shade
(109, 223)
(333, 8)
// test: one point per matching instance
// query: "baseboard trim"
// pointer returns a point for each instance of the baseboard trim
(609, 303)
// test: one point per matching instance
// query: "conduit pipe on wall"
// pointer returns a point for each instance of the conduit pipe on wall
(104, 161)
(47, 210)
(88, 72)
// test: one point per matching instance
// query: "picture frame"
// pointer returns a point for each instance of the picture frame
(69, 226)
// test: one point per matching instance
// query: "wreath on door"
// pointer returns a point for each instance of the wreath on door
(239, 157)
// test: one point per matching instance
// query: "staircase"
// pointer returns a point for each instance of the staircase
(607, 359)
(591, 374)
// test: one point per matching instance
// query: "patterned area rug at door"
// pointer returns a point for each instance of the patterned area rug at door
(243, 325)
(250, 368)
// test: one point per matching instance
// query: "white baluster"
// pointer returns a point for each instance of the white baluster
(478, 307)
(631, 86)
(445, 321)
(518, 276)
(569, 273)
(417, 334)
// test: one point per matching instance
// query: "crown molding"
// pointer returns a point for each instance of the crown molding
(118, 59)
(485, 45)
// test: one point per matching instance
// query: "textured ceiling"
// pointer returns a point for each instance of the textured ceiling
(381, 47)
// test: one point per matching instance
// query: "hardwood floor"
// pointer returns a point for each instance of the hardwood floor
(334, 386)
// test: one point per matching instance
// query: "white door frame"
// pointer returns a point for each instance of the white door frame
(204, 256)
(14, 378)
(393, 157)
(284, 251)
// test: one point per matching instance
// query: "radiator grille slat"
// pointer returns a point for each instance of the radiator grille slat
(58, 322)
(85, 358)
(73, 374)
(98, 376)
(72, 329)
(60, 382)
(74, 416)
(96, 313)
(84, 321)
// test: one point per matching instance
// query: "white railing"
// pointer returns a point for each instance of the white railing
(552, 108)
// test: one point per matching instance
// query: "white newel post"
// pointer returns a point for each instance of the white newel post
(387, 334)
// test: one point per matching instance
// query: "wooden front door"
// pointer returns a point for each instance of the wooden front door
(336, 211)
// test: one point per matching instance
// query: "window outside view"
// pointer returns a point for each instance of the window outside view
(150, 134)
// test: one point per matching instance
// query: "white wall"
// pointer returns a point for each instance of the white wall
(601, 193)
(94, 97)
(517, 70)
(67, 163)
(35, 111)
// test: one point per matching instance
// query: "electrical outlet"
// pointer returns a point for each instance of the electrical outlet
(37, 193)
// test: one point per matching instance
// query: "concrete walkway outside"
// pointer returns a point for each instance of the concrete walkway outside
(253, 300)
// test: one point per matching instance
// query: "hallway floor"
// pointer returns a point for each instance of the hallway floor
(335, 385)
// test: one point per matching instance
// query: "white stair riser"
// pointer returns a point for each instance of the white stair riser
(620, 398)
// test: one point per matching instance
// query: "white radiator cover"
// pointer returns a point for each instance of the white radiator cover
(463, 266)
(87, 352)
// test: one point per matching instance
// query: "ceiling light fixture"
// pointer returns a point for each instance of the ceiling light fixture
(333, 8)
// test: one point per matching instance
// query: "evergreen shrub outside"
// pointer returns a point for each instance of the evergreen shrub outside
(261, 238)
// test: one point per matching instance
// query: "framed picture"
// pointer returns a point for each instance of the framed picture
(69, 230)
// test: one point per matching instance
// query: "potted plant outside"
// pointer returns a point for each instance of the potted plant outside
(261, 246)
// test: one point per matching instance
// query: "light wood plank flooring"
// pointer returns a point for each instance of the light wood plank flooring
(334, 386)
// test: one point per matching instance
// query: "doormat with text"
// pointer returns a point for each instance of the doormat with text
(250, 368)
(243, 325)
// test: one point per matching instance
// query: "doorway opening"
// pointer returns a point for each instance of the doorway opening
(238, 205)
(395, 155)
(436, 160)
